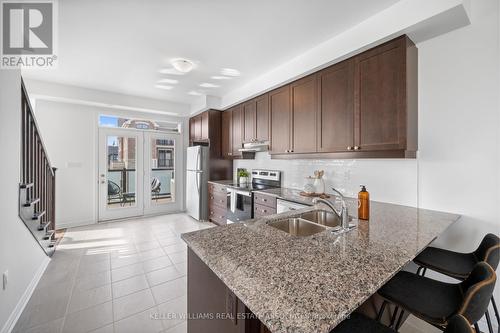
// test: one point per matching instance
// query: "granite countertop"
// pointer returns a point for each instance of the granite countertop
(310, 284)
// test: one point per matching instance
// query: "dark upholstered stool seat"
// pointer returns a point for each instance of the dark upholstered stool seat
(454, 264)
(360, 323)
(435, 301)
(431, 300)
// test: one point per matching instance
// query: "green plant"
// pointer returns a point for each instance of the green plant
(243, 173)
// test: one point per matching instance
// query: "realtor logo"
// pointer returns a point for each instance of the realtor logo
(28, 31)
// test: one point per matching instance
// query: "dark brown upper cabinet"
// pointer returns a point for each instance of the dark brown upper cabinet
(363, 107)
(227, 134)
(336, 108)
(197, 127)
(204, 125)
(262, 114)
(237, 129)
(385, 86)
(192, 122)
(304, 112)
(256, 114)
(250, 115)
(281, 120)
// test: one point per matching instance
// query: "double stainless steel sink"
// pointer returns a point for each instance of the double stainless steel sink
(308, 224)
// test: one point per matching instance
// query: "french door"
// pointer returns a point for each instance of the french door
(137, 173)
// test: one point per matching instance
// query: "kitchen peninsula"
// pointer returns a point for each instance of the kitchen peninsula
(300, 284)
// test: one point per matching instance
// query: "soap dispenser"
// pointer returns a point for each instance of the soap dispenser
(363, 204)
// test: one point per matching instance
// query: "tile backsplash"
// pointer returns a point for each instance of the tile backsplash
(387, 180)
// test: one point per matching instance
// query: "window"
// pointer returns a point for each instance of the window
(141, 124)
(165, 158)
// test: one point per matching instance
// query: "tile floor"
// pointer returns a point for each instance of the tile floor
(127, 276)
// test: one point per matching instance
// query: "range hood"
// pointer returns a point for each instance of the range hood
(255, 146)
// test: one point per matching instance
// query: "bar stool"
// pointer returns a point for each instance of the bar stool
(436, 302)
(360, 323)
(459, 265)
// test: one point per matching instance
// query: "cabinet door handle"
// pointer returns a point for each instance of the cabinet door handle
(357, 147)
(349, 148)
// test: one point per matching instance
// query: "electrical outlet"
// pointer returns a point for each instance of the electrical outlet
(5, 279)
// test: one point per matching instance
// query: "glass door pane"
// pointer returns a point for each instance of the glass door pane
(121, 171)
(162, 173)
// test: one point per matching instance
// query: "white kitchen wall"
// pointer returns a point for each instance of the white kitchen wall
(70, 135)
(393, 180)
(20, 254)
(459, 126)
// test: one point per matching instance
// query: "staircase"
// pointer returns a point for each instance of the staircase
(37, 187)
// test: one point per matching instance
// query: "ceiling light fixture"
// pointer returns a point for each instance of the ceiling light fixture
(209, 85)
(170, 71)
(230, 72)
(195, 93)
(182, 65)
(216, 77)
(162, 86)
(169, 81)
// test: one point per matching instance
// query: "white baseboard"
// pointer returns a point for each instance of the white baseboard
(14, 316)
(74, 224)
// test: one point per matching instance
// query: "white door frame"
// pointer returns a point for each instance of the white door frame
(106, 213)
(150, 206)
(143, 203)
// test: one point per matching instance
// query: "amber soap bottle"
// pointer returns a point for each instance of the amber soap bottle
(363, 204)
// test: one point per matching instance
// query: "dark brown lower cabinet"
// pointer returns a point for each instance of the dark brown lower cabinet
(212, 307)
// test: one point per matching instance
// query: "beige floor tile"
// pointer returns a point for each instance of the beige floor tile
(146, 246)
(178, 257)
(143, 322)
(169, 290)
(126, 272)
(131, 304)
(106, 329)
(151, 254)
(163, 275)
(129, 286)
(124, 260)
(173, 312)
(45, 305)
(181, 328)
(53, 326)
(174, 248)
(92, 281)
(89, 319)
(82, 299)
(156, 263)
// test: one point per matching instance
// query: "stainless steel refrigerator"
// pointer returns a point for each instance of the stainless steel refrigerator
(197, 176)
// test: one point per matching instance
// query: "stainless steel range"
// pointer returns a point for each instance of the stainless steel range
(240, 196)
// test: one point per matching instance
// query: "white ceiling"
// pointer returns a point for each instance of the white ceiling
(120, 45)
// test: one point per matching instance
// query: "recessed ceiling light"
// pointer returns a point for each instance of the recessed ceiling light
(171, 71)
(230, 72)
(209, 85)
(162, 86)
(217, 77)
(170, 81)
(195, 93)
(182, 65)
